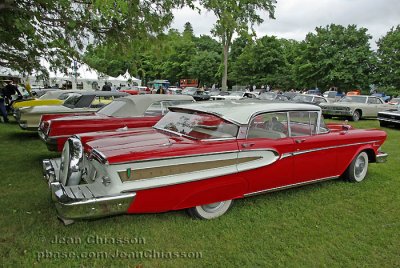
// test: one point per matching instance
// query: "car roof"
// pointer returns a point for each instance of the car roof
(141, 102)
(102, 93)
(241, 111)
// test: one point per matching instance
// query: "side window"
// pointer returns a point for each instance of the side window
(372, 100)
(268, 125)
(303, 123)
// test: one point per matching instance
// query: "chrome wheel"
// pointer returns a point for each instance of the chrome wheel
(210, 211)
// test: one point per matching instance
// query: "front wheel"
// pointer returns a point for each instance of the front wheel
(210, 211)
(356, 116)
(358, 168)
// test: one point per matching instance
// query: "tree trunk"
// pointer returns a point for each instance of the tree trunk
(225, 75)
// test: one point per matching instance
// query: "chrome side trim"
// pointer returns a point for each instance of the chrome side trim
(174, 157)
(285, 155)
(291, 186)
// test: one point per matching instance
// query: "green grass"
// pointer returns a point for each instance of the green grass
(328, 224)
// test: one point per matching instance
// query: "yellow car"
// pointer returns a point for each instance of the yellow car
(54, 97)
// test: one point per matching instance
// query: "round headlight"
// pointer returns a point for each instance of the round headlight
(71, 162)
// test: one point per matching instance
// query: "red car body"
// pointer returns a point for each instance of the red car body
(137, 111)
(203, 156)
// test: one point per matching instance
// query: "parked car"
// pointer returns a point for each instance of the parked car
(236, 95)
(202, 156)
(53, 97)
(127, 112)
(394, 101)
(333, 96)
(355, 92)
(306, 98)
(272, 96)
(355, 107)
(390, 117)
(196, 93)
(28, 118)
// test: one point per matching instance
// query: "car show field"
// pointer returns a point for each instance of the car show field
(324, 224)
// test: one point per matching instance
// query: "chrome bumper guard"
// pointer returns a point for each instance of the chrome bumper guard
(79, 201)
(381, 157)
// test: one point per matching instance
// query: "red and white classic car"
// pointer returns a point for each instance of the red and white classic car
(128, 112)
(202, 156)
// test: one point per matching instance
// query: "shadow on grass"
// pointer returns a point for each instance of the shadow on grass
(21, 136)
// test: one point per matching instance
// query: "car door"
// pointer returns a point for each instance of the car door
(268, 145)
(314, 153)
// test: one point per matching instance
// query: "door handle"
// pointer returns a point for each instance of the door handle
(300, 141)
(247, 145)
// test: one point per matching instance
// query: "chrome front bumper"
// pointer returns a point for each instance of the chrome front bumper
(81, 201)
(381, 157)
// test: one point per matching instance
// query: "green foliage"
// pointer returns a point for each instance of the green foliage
(336, 56)
(265, 62)
(388, 54)
(235, 17)
(59, 30)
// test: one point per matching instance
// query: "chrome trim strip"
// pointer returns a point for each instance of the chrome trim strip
(285, 155)
(174, 157)
(392, 120)
(291, 186)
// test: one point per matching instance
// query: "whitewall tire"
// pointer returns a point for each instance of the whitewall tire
(210, 211)
(358, 168)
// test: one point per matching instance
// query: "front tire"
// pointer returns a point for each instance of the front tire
(210, 211)
(356, 116)
(358, 168)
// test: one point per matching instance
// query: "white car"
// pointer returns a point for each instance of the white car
(355, 107)
(235, 95)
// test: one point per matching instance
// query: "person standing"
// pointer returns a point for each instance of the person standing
(3, 107)
(9, 90)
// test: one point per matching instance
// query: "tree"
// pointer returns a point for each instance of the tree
(235, 16)
(59, 30)
(263, 62)
(336, 56)
(388, 54)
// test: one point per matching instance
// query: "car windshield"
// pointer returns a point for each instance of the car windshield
(268, 96)
(197, 125)
(117, 108)
(64, 96)
(72, 100)
(358, 99)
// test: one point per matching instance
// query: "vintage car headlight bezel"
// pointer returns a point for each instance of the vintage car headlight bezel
(71, 162)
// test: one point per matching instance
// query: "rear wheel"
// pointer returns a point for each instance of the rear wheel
(358, 168)
(210, 211)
